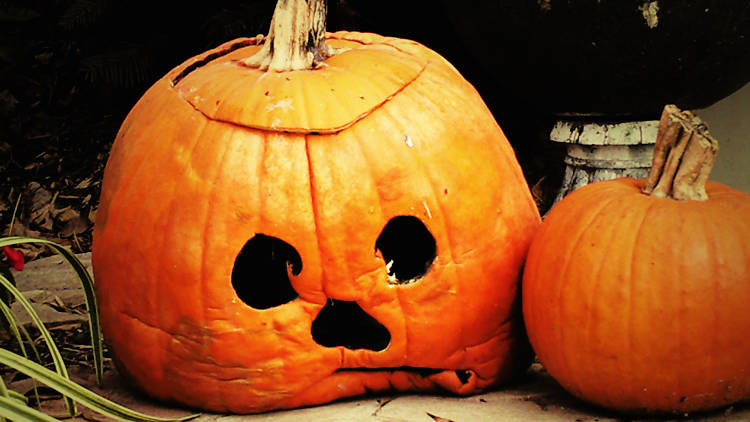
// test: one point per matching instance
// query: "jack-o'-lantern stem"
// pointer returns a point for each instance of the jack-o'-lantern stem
(296, 38)
(683, 157)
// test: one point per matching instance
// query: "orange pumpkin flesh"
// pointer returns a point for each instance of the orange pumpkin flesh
(217, 156)
(638, 303)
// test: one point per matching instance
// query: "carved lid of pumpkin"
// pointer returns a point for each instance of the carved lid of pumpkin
(366, 72)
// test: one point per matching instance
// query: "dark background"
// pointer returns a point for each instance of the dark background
(71, 69)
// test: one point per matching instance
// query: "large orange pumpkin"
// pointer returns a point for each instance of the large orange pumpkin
(638, 302)
(270, 239)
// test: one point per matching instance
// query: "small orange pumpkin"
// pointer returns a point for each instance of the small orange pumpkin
(270, 238)
(638, 302)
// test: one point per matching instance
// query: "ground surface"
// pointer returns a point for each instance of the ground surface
(51, 285)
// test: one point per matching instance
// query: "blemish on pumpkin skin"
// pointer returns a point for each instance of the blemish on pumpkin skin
(285, 104)
(426, 208)
(408, 141)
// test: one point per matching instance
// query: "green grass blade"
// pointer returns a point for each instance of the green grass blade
(18, 412)
(13, 325)
(12, 395)
(17, 396)
(3, 393)
(80, 394)
(53, 350)
(87, 283)
(17, 330)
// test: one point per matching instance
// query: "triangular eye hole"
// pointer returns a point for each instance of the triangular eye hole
(407, 247)
(260, 276)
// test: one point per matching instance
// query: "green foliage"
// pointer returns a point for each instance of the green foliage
(12, 404)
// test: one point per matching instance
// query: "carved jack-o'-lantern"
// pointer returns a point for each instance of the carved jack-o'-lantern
(270, 239)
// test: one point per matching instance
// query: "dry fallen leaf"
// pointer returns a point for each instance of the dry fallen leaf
(438, 418)
(72, 223)
(83, 184)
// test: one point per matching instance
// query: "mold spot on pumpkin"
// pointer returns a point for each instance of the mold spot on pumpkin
(408, 249)
(344, 323)
(260, 275)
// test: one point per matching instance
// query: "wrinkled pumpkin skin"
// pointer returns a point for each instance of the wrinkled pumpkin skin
(215, 153)
(639, 303)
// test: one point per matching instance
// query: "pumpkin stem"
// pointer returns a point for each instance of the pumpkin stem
(296, 38)
(683, 157)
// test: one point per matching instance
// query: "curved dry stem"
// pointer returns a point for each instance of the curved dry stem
(296, 38)
(683, 157)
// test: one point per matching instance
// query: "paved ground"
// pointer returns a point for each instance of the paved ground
(536, 398)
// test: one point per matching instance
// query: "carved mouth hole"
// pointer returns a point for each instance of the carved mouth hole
(423, 372)
(343, 323)
(463, 375)
(260, 275)
(408, 249)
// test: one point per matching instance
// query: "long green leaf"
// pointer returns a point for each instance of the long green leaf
(3, 393)
(80, 394)
(10, 395)
(87, 283)
(17, 330)
(53, 350)
(13, 325)
(19, 412)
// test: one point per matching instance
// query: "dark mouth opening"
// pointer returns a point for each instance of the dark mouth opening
(344, 323)
(463, 375)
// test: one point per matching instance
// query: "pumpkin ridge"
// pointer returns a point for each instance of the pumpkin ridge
(373, 180)
(433, 189)
(315, 213)
(592, 216)
(204, 241)
(632, 294)
(446, 228)
(597, 284)
(163, 236)
(709, 227)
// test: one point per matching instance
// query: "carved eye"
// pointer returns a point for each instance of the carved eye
(260, 275)
(408, 249)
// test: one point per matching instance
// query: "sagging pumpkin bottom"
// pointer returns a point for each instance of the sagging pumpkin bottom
(493, 363)
(347, 383)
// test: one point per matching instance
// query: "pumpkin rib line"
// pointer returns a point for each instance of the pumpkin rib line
(373, 179)
(712, 259)
(164, 234)
(315, 212)
(592, 297)
(433, 189)
(633, 248)
(124, 186)
(565, 360)
(206, 339)
(440, 206)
